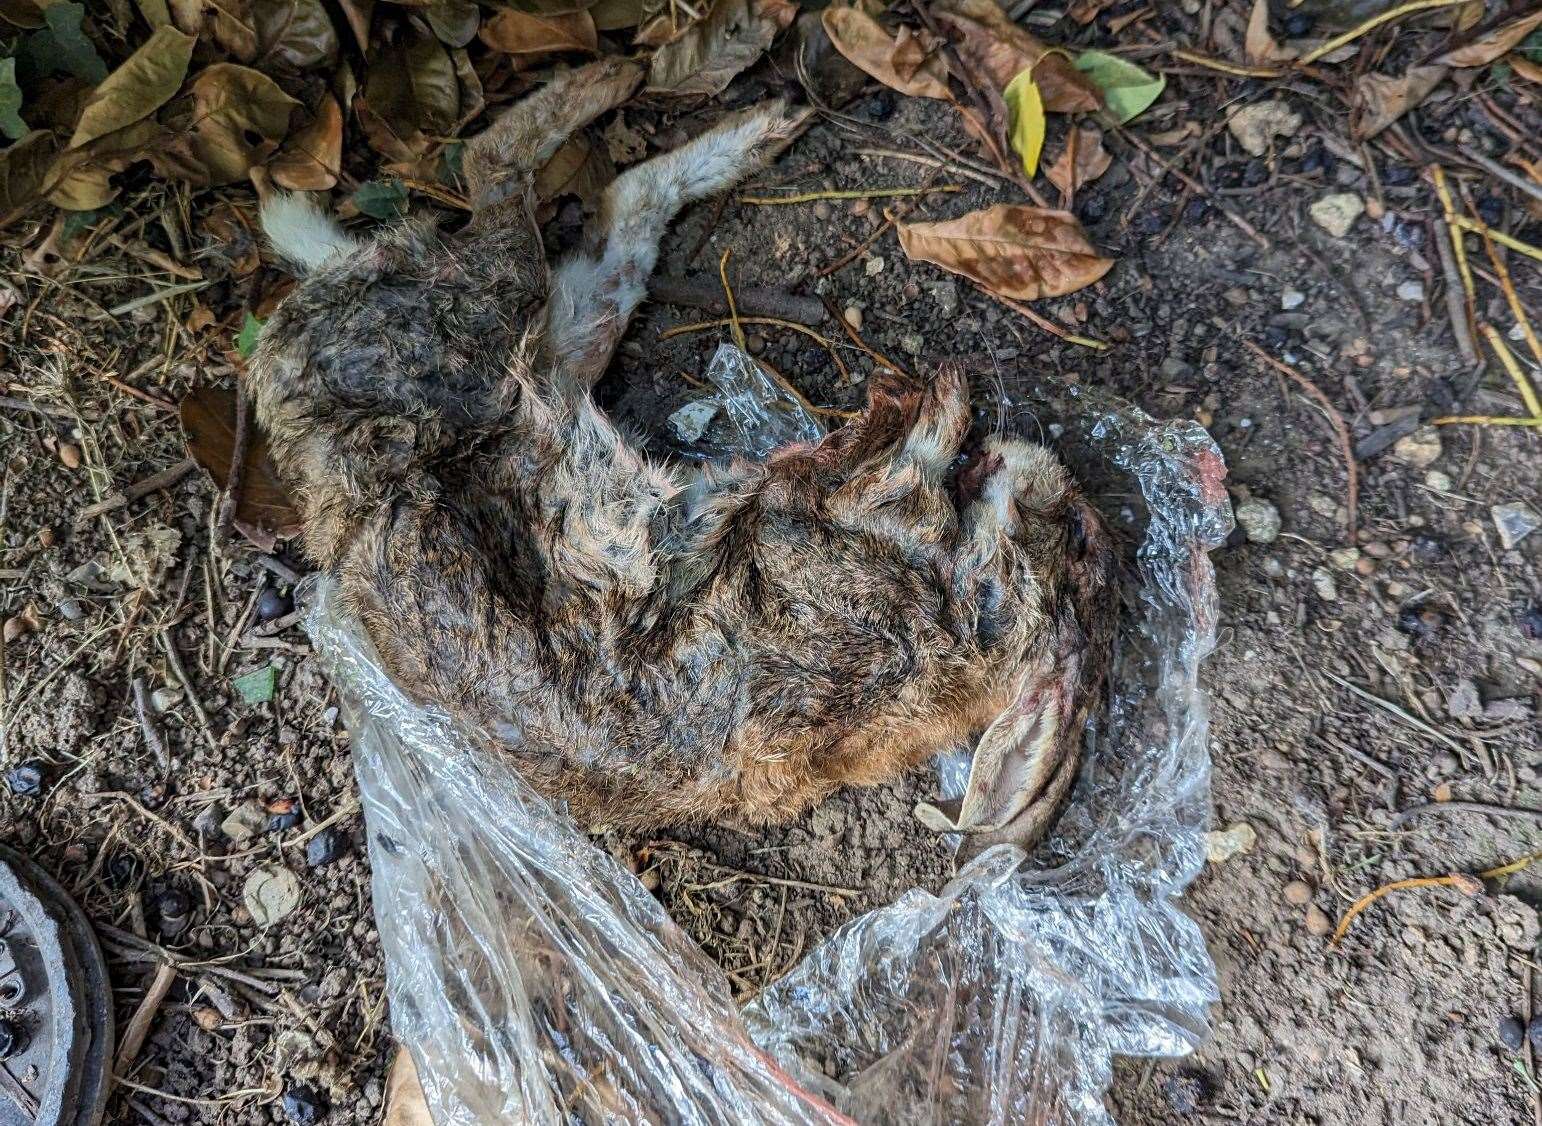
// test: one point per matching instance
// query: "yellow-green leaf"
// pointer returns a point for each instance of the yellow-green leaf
(146, 81)
(1127, 90)
(1026, 107)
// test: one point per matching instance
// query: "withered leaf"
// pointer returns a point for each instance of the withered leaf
(209, 424)
(412, 86)
(579, 168)
(79, 178)
(147, 80)
(1530, 71)
(239, 117)
(901, 63)
(21, 13)
(1011, 249)
(616, 15)
(453, 21)
(312, 157)
(23, 169)
(527, 33)
(732, 35)
(1260, 46)
(988, 40)
(1486, 48)
(1380, 99)
(405, 1103)
(293, 33)
(1083, 161)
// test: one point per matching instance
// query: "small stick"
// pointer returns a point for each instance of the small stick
(154, 483)
(1467, 807)
(143, 396)
(174, 661)
(1346, 447)
(1458, 251)
(933, 162)
(133, 1038)
(154, 741)
(1517, 310)
(1499, 171)
(1467, 885)
(1043, 322)
(755, 301)
(1445, 237)
(847, 259)
(1413, 721)
(863, 345)
(1477, 226)
(347, 809)
(728, 295)
(1193, 184)
(1228, 68)
(858, 193)
(1372, 24)
(1484, 420)
(49, 409)
(1523, 385)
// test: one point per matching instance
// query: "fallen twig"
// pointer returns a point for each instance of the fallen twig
(154, 483)
(857, 193)
(1194, 185)
(1456, 311)
(1237, 69)
(1468, 885)
(133, 1037)
(1485, 420)
(754, 301)
(1477, 226)
(154, 740)
(1467, 807)
(1042, 321)
(1408, 9)
(1340, 429)
(1523, 385)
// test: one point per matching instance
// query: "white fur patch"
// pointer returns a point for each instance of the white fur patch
(301, 232)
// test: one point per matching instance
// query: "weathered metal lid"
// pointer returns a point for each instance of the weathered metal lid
(56, 1028)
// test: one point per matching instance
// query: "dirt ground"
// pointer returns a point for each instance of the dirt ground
(1350, 687)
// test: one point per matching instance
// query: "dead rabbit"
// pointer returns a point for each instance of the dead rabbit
(653, 643)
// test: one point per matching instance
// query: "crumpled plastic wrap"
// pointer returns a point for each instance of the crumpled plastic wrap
(535, 980)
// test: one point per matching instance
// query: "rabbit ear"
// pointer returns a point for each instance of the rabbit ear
(1023, 765)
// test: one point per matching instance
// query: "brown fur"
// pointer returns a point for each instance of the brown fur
(653, 644)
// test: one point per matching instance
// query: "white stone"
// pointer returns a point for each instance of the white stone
(1336, 213)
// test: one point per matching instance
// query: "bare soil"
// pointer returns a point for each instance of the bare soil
(1398, 1024)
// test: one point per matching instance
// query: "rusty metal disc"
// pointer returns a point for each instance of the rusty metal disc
(56, 1028)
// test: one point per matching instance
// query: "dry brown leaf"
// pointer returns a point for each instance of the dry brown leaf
(209, 423)
(579, 168)
(1524, 67)
(79, 179)
(1486, 48)
(412, 86)
(623, 142)
(987, 39)
(519, 33)
(1259, 45)
(731, 37)
(1012, 249)
(311, 159)
(1380, 99)
(1085, 11)
(405, 1102)
(147, 80)
(1090, 162)
(23, 169)
(239, 117)
(1170, 137)
(869, 47)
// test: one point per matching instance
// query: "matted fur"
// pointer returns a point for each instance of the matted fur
(652, 643)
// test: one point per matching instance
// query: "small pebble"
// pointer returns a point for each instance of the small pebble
(853, 317)
(1344, 558)
(1323, 583)
(1512, 1033)
(272, 604)
(26, 780)
(1259, 520)
(1420, 449)
(1337, 213)
(821, 211)
(1419, 621)
(1514, 522)
(1365, 566)
(1317, 921)
(46, 536)
(164, 699)
(1298, 893)
(69, 454)
(1411, 290)
(305, 1105)
(861, 207)
(873, 266)
(326, 847)
(1292, 299)
(755, 344)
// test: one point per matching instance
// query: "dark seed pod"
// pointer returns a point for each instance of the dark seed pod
(305, 1105)
(326, 847)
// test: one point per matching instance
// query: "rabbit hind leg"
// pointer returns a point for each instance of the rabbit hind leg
(595, 292)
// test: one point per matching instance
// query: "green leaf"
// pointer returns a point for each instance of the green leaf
(1127, 89)
(381, 199)
(62, 46)
(256, 687)
(1026, 107)
(11, 123)
(246, 339)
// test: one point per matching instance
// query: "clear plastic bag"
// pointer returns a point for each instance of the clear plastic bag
(535, 980)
